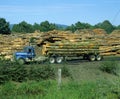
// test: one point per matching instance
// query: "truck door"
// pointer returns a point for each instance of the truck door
(30, 53)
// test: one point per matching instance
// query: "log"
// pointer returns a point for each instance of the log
(109, 53)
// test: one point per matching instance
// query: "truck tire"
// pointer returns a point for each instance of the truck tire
(21, 61)
(85, 57)
(98, 57)
(52, 60)
(59, 60)
(92, 57)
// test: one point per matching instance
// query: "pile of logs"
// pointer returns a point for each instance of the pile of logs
(109, 44)
(9, 44)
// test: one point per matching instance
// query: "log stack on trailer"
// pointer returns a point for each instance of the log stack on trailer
(60, 44)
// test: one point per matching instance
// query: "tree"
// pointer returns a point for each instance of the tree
(71, 28)
(46, 26)
(61, 27)
(36, 26)
(23, 27)
(79, 26)
(4, 26)
(106, 25)
(118, 27)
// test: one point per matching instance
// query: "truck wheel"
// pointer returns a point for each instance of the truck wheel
(52, 60)
(85, 57)
(59, 60)
(21, 61)
(92, 57)
(98, 57)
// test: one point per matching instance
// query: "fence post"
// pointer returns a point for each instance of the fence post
(59, 78)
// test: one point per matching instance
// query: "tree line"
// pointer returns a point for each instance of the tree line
(24, 27)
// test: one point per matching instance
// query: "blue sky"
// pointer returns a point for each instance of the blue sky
(61, 11)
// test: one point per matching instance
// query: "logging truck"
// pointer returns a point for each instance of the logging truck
(58, 52)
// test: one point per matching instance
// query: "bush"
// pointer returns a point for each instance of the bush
(65, 72)
(110, 67)
(20, 73)
(15, 73)
(41, 73)
(5, 62)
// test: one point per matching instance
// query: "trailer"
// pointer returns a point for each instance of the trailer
(57, 52)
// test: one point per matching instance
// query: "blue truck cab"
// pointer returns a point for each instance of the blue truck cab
(26, 55)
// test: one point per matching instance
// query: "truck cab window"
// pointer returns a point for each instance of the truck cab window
(29, 50)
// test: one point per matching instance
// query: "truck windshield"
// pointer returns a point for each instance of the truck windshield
(26, 49)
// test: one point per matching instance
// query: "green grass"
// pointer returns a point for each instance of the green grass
(70, 90)
(86, 81)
